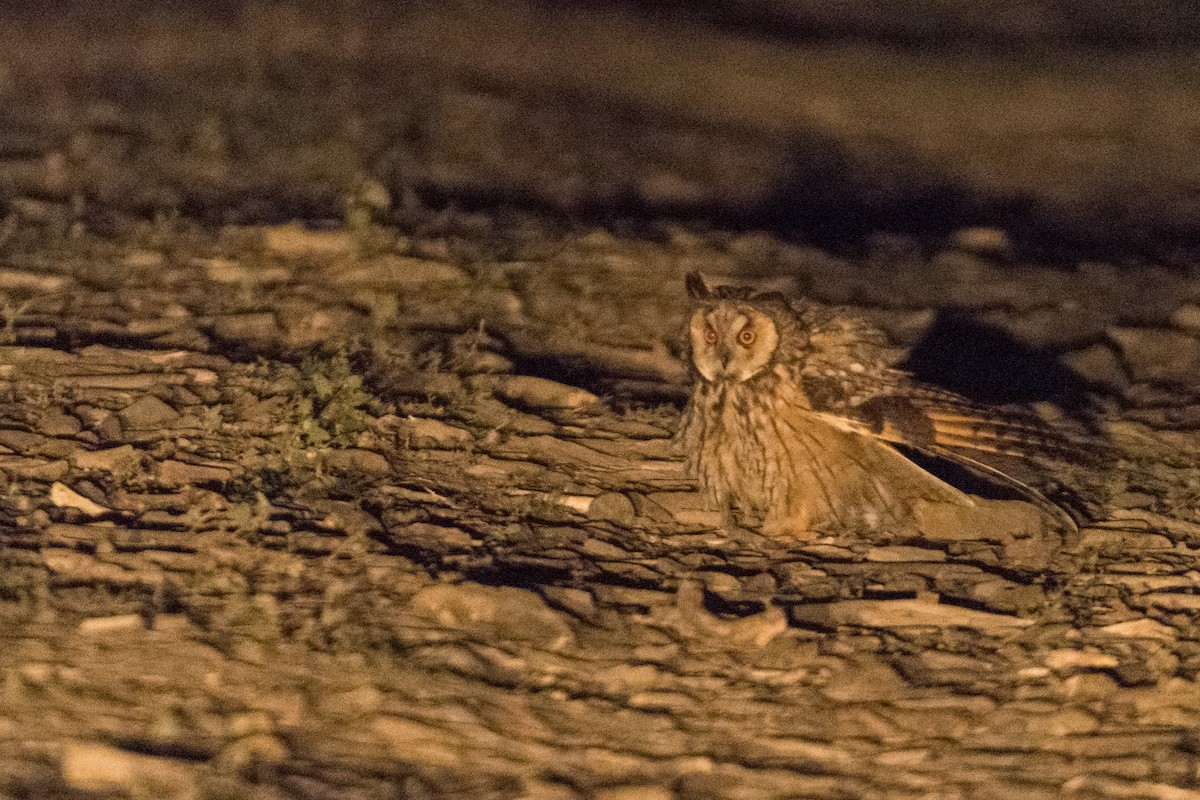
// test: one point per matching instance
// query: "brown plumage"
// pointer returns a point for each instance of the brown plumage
(799, 418)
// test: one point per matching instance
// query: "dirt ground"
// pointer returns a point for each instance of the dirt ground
(335, 444)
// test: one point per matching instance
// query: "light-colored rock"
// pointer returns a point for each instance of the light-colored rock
(1066, 661)
(1140, 629)
(1187, 317)
(147, 412)
(112, 459)
(1158, 356)
(643, 792)
(64, 496)
(982, 240)
(903, 614)
(293, 240)
(536, 392)
(99, 768)
(425, 432)
(99, 626)
(178, 473)
(903, 553)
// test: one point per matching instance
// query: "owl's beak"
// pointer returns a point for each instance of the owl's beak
(724, 356)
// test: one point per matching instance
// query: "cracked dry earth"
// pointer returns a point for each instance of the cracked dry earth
(296, 514)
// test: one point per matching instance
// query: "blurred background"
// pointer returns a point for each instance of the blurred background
(1072, 126)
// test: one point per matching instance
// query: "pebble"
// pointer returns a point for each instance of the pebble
(147, 412)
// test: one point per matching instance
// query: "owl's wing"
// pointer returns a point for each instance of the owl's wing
(1010, 448)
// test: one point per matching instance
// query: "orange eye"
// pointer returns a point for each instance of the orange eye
(710, 335)
(746, 337)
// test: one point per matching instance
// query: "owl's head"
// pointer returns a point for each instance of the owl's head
(734, 333)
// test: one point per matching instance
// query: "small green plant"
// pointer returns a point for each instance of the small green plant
(331, 405)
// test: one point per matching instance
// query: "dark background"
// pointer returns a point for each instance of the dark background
(1070, 125)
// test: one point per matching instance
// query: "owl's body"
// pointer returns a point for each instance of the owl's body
(796, 416)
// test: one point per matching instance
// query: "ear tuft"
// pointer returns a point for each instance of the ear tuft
(697, 289)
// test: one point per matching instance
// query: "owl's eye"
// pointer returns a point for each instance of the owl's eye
(710, 335)
(746, 337)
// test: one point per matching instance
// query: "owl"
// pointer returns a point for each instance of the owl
(800, 419)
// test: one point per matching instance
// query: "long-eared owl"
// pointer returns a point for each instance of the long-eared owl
(800, 419)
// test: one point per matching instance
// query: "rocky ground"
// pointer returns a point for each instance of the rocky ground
(297, 513)
(316, 484)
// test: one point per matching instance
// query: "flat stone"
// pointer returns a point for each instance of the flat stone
(687, 508)
(902, 614)
(98, 626)
(1066, 661)
(356, 459)
(503, 611)
(612, 506)
(1158, 356)
(439, 538)
(864, 679)
(111, 459)
(103, 769)
(1141, 629)
(989, 519)
(1172, 601)
(903, 553)
(425, 432)
(598, 548)
(58, 423)
(178, 473)
(1187, 317)
(536, 392)
(21, 441)
(147, 412)
(63, 496)
(293, 240)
